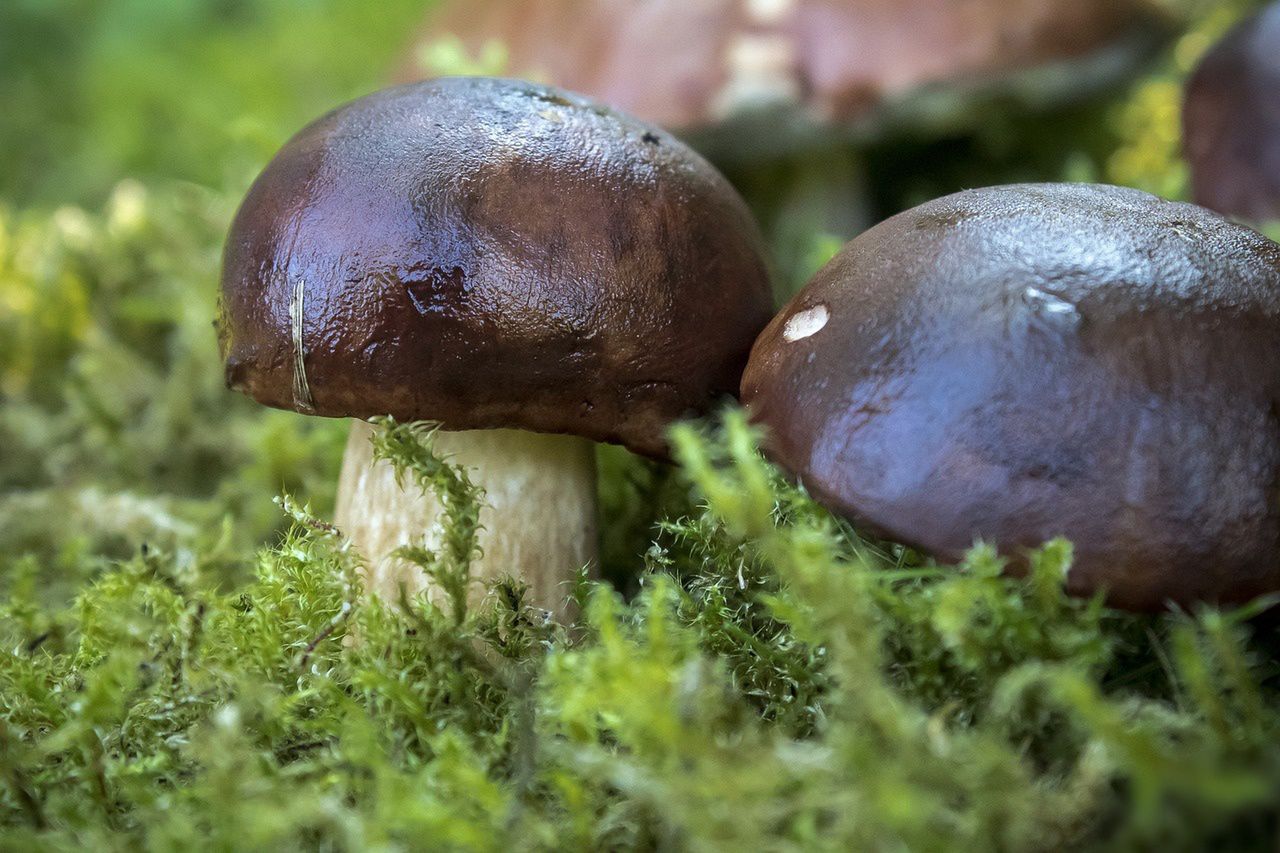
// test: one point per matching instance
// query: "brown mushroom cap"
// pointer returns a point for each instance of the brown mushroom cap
(491, 253)
(1231, 121)
(695, 65)
(1025, 362)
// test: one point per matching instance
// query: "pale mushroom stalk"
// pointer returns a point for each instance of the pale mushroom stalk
(538, 518)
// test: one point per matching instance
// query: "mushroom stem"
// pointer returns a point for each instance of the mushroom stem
(538, 521)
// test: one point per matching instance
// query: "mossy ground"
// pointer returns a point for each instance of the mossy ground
(187, 663)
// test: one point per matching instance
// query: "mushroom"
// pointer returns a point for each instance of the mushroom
(1231, 121)
(774, 91)
(1020, 363)
(530, 269)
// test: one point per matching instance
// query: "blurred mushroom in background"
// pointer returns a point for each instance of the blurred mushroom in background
(1231, 121)
(781, 94)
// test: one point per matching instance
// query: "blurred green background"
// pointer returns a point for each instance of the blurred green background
(195, 90)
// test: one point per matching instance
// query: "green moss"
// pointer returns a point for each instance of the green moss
(114, 420)
(409, 448)
(777, 683)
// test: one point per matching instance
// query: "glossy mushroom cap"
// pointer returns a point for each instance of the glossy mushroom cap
(1231, 121)
(490, 253)
(693, 65)
(1025, 362)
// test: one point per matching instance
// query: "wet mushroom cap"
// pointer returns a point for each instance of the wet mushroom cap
(1020, 363)
(1231, 121)
(490, 253)
(693, 65)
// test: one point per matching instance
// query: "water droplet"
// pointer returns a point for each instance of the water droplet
(805, 323)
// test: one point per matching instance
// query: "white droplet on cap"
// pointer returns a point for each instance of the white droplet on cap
(805, 323)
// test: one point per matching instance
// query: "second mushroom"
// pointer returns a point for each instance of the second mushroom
(1019, 363)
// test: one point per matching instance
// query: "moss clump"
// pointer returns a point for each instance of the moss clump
(115, 424)
(777, 683)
